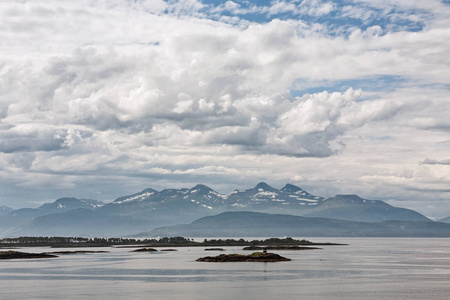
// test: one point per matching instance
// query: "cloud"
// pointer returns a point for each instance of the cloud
(428, 161)
(333, 97)
(153, 6)
(29, 138)
(316, 7)
(190, 7)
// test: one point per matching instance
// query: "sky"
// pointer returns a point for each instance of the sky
(100, 99)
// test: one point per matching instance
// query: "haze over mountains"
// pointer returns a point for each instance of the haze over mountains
(445, 220)
(150, 209)
(4, 210)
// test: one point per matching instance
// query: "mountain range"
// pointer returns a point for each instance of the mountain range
(149, 209)
(14, 220)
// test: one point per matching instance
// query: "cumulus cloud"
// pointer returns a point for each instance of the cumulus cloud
(29, 138)
(170, 90)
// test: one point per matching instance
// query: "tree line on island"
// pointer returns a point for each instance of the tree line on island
(161, 242)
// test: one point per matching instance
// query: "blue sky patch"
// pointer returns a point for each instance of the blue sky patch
(369, 84)
(341, 17)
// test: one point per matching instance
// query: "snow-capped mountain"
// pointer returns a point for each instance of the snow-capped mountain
(141, 196)
(65, 204)
(200, 195)
(260, 198)
(264, 197)
(149, 209)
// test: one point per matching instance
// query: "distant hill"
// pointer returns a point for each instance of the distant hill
(445, 220)
(252, 224)
(354, 208)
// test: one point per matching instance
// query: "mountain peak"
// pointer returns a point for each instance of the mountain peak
(347, 197)
(70, 203)
(59, 202)
(201, 189)
(202, 186)
(291, 188)
(264, 186)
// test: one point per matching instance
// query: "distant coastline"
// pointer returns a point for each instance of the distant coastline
(60, 242)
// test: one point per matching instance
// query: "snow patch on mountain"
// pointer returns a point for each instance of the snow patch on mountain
(137, 197)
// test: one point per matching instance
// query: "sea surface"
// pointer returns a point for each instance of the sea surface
(368, 268)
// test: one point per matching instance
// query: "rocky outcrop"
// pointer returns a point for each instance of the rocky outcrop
(145, 250)
(23, 255)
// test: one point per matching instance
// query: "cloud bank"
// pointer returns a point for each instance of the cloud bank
(101, 98)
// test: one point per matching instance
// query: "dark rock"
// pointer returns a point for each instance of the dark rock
(145, 250)
(214, 249)
(23, 255)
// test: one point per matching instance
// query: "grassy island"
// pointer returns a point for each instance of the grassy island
(254, 257)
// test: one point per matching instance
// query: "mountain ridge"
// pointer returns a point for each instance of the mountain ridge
(150, 208)
(254, 224)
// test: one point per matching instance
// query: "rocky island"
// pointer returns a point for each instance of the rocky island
(74, 252)
(262, 248)
(254, 257)
(23, 255)
(145, 250)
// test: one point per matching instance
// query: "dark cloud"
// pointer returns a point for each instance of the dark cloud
(430, 190)
(438, 127)
(428, 161)
(29, 140)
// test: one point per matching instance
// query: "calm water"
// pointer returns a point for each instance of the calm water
(366, 269)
